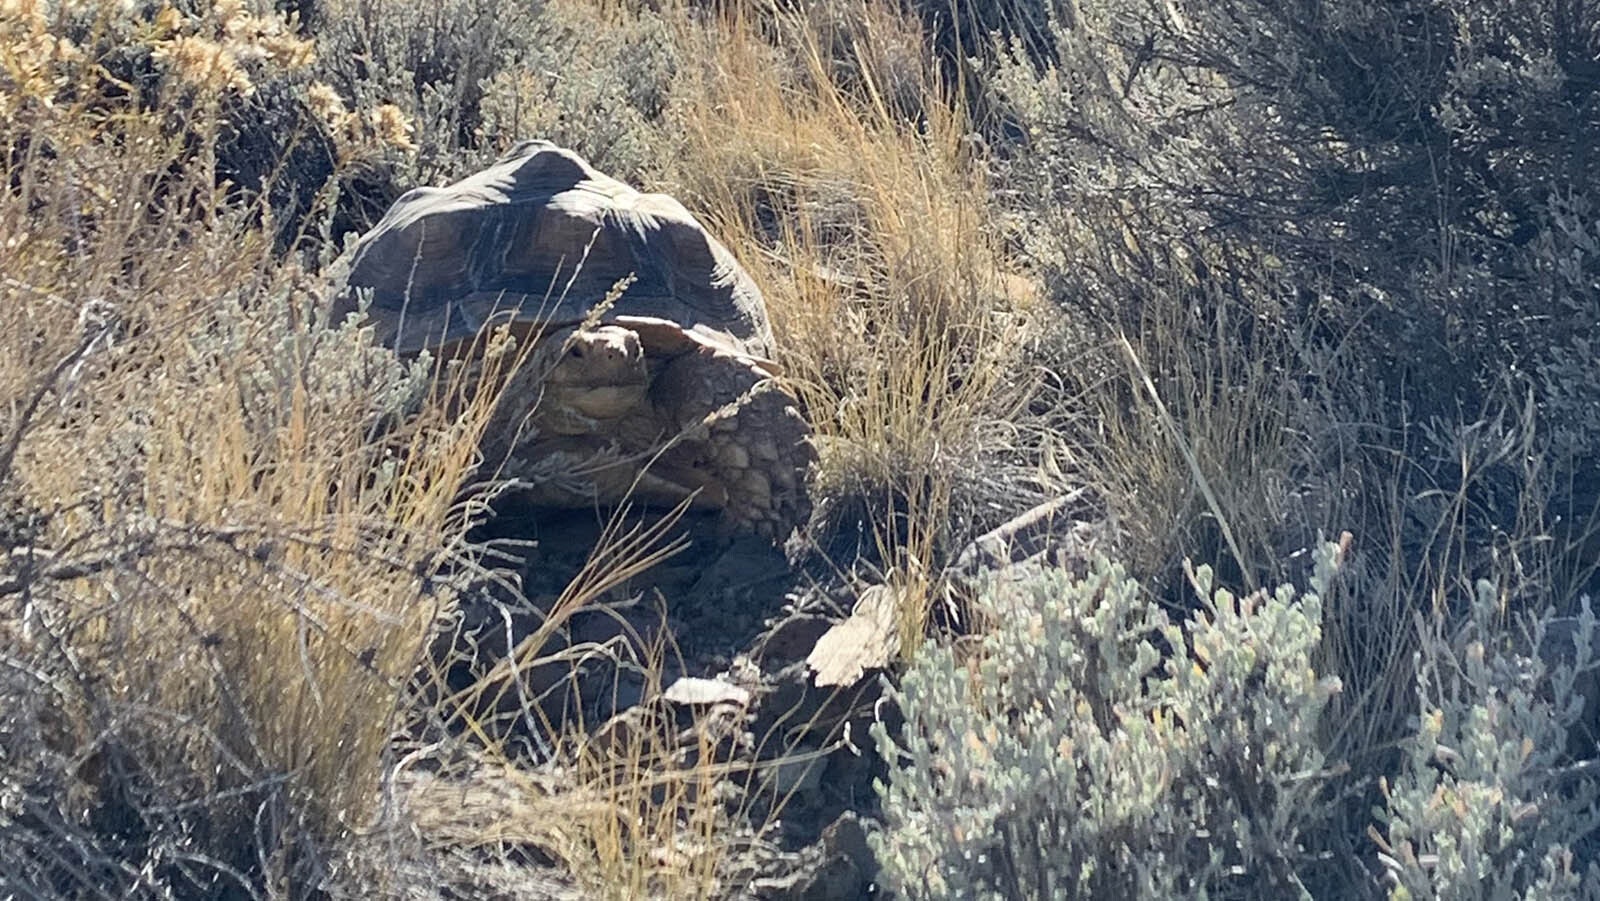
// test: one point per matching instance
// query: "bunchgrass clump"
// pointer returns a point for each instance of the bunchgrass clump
(899, 322)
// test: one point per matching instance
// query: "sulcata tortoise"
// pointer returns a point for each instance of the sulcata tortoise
(658, 394)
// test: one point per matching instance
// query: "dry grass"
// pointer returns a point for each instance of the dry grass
(642, 811)
(845, 184)
(660, 825)
(237, 513)
(1420, 557)
(639, 806)
(1189, 434)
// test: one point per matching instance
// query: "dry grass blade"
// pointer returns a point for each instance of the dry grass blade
(1200, 480)
(626, 549)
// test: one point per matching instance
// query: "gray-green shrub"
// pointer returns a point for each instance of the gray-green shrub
(474, 77)
(1488, 805)
(1093, 748)
(1406, 186)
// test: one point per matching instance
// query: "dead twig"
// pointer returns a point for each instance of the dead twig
(8, 452)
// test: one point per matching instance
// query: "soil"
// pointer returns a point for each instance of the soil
(731, 620)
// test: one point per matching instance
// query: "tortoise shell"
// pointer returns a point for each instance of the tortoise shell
(542, 237)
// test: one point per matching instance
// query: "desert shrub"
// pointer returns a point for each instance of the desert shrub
(430, 61)
(1091, 747)
(232, 82)
(1565, 256)
(593, 82)
(224, 591)
(327, 113)
(221, 514)
(1175, 340)
(1321, 146)
(1487, 803)
(1294, 216)
(1402, 185)
(340, 106)
(465, 81)
(222, 635)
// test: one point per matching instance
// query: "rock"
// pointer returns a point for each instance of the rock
(793, 638)
(797, 773)
(690, 691)
(839, 866)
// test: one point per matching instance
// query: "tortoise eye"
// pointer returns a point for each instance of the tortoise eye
(576, 352)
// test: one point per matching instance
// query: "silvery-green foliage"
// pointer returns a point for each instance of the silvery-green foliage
(475, 77)
(1563, 260)
(1093, 748)
(591, 84)
(1487, 805)
(429, 59)
(273, 344)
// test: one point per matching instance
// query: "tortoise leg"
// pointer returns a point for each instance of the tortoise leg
(735, 428)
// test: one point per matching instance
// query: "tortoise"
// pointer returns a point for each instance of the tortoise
(649, 375)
